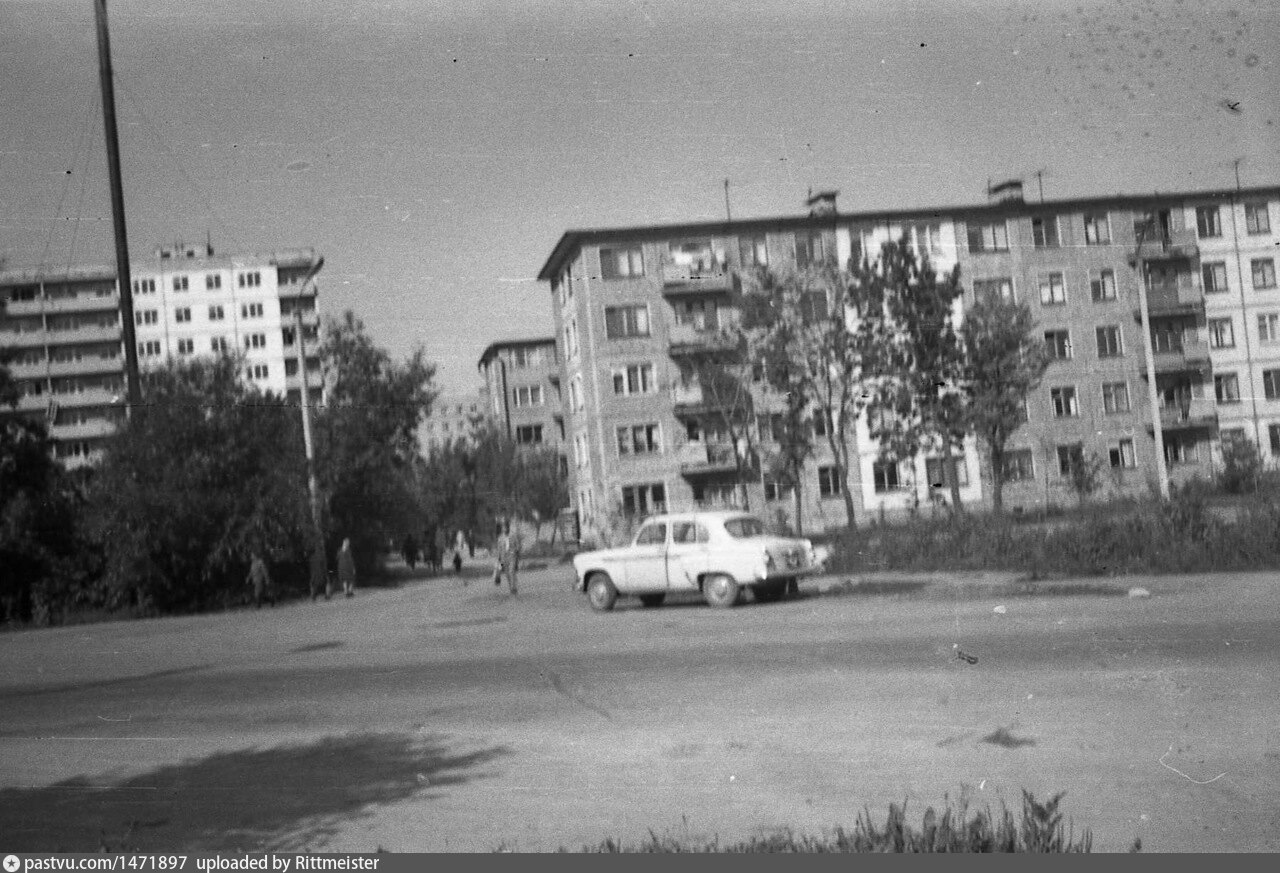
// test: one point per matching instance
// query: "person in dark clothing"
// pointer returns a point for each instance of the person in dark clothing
(409, 551)
(260, 580)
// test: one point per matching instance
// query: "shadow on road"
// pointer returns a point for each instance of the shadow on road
(285, 798)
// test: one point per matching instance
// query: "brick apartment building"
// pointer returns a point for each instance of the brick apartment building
(522, 390)
(65, 327)
(630, 304)
(453, 416)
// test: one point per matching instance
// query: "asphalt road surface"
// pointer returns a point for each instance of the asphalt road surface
(435, 716)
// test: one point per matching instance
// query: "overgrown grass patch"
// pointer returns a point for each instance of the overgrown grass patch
(957, 828)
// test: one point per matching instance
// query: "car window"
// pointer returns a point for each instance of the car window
(688, 532)
(743, 527)
(652, 534)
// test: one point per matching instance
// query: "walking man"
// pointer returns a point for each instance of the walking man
(514, 547)
(347, 568)
(260, 579)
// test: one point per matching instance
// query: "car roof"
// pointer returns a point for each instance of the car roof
(721, 514)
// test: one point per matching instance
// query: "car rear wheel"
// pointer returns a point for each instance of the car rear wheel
(652, 600)
(601, 593)
(720, 591)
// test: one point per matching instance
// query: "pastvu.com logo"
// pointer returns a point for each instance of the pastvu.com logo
(11, 863)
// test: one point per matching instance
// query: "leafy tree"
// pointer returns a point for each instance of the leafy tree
(922, 365)
(800, 325)
(791, 433)
(546, 490)
(204, 473)
(1004, 362)
(367, 439)
(1241, 466)
(723, 373)
(1086, 473)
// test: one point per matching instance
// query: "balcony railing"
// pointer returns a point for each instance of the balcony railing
(86, 366)
(1175, 356)
(706, 457)
(696, 279)
(686, 397)
(1184, 298)
(86, 430)
(691, 339)
(1177, 244)
(1188, 413)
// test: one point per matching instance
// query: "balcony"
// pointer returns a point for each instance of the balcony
(83, 303)
(702, 459)
(1175, 245)
(1188, 413)
(691, 339)
(1184, 298)
(87, 430)
(26, 339)
(1190, 354)
(90, 333)
(87, 397)
(19, 308)
(688, 399)
(696, 279)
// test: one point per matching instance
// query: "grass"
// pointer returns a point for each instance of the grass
(1040, 828)
(1178, 536)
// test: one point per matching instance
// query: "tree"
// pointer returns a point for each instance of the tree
(367, 439)
(1003, 362)
(207, 471)
(923, 363)
(546, 490)
(800, 323)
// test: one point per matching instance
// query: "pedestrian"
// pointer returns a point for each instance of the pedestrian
(320, 571)
(347, 568)
(457, 563)
(441, 543)
(429, 548)
(500, 546)
(514, 546)
(260, 579)
(409, 551)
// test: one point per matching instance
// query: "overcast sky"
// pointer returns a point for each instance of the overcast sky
(434, 152)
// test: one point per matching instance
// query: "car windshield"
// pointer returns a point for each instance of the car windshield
(743, 527)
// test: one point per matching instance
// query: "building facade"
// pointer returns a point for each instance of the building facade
(522, 390)
(632, 305)
(65, 328)
(452, 417)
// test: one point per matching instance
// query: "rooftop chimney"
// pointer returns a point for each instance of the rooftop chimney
(822, 203)
(1005, 192)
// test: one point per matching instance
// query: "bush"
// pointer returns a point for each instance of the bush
(1241, 466)
(1040, 829)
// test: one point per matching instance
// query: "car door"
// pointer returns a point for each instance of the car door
(647, 561)
(687, 554)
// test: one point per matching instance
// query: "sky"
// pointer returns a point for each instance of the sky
(434, 152)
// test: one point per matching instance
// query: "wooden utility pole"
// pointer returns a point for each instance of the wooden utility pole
(319, 567)
(1148, 353)
(133, 390)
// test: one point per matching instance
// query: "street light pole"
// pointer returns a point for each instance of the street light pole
(1162, 471)
(319, 568)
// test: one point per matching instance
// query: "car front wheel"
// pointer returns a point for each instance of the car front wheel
(720, 591)
(601, 593)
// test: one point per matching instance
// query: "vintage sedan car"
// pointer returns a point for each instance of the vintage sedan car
(718, 553)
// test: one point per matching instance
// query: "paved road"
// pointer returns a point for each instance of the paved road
(441, 717)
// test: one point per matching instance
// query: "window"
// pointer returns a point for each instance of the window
(1273, 433)
(212, 281)
(635, 379)
(1121, 455)
(828, 482)
(810, 249)
(1070, 457)
(1115, 398)
(1053, 290)
(529, 434)
(1018, 466)
(1059, 344)
(216, 313)
(644, 499)
(688, 532)
(1221, 334)
(575, 394)
(571, 339)
(146, 316)
(527, 357)
(1214, 274)
(937, 476)
(1264, 273)
(527, 395)
(1103, 286)
(984, 288)
(1109, 342)
(149, 349)
(186, 346)
(621, 322)
(753, 251)
(885, 476)
(251, 310)
(1179, 450)
(1256, 219)
(821, 422)
(1044, 232)
(1208, 223)
(925, 239)
(652, 535)
(1226, 387)
(991, 237)
(218, 345)
(1271, 384)
(621, 263)
(179, 283)
(639, 439)
(580, 449)
(144, 286)
(1097, 229)
(182, 315)
(1064, 402)
(257, 371)
(776, 490)
(255, 341)
(251, 279)
(1268, 327)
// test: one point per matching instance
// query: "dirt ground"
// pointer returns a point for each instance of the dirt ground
(437, 716)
